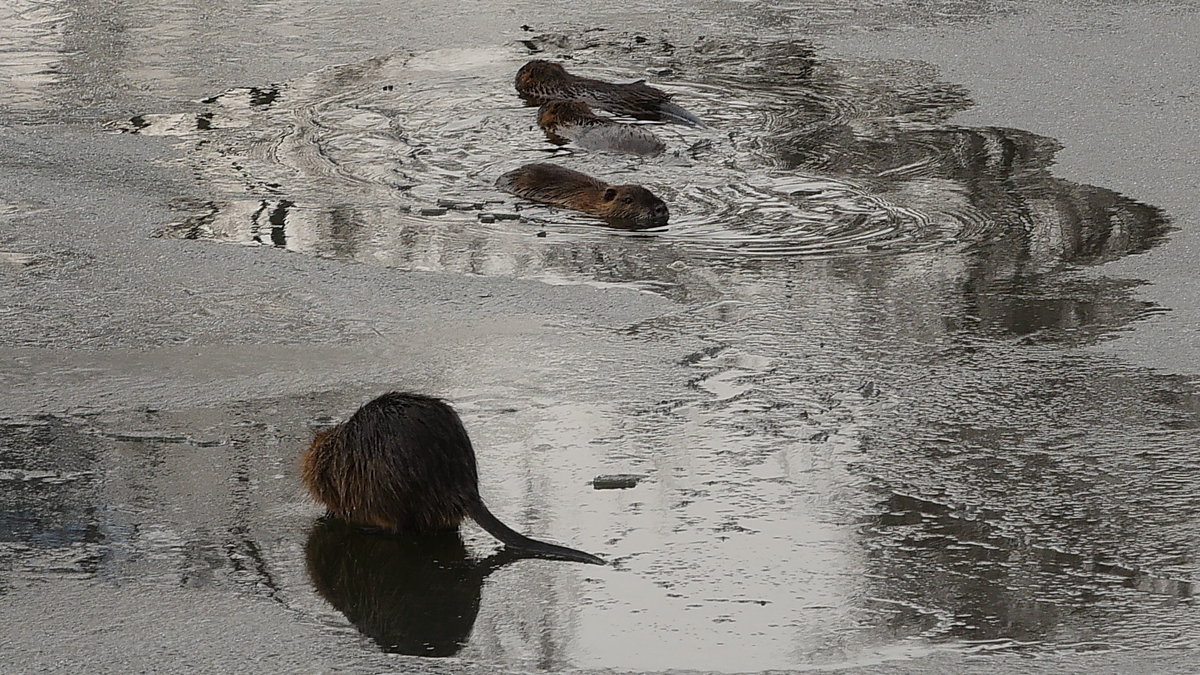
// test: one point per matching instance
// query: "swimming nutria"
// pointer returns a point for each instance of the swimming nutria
(630, 207)
(574, 121)
(404, 463)
(541, 81)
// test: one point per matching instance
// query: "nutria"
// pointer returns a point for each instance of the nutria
(630, 207)
(574, 122)
(540, 81)
(404, 463)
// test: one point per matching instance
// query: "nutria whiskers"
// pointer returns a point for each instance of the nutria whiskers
(404, 463)
(540, 81)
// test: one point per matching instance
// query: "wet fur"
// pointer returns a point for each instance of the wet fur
(574, 122)
(624, 206)
(404, 463)
(541, 81)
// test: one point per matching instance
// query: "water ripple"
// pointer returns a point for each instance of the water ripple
(804, 157)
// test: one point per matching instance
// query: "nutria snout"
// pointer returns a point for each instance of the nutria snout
(630, 207)
(574, 122)
(404, 463)
(540, 81)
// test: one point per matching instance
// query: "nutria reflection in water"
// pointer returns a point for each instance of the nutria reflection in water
(574, 122)
(629, 206)
(540, 81)
(414, 594)
(403, 464)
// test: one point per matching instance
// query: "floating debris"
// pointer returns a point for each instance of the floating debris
(617, 481)
(147, 436)
(459, 205)
(48, 477)
(205, 441)
(16, 258)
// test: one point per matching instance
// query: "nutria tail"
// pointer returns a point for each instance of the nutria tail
(674, 113)
(510, 537)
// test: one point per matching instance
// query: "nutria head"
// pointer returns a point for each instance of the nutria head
(633, 207)
(539, 73)
(554, 114)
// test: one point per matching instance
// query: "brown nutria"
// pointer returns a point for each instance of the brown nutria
(630, 207)
(404, 463)
(540, 81)
(574, 122)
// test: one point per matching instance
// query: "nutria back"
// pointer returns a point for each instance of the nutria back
(549, 183)
(623, 206)
(574, 122)
(404, 463)
(540, 81)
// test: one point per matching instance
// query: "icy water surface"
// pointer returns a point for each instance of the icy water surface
(804, 158)
(894, 439)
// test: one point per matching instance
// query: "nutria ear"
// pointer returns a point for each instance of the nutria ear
(610, 194)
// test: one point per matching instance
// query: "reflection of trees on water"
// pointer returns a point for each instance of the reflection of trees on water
(89, 504)
(994, 185)
(885, 138)
(1031, 436)
(1056, 479)
(48, 497)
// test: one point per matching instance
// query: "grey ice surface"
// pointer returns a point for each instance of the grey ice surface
(857, 465)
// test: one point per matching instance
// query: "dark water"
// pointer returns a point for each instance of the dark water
(896, 439)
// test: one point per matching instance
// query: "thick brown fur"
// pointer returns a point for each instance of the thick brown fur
(625, 206)
(574, 122)
(404, 463)
(541, 81)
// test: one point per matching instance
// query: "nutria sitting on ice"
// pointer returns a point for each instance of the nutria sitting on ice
(629, 207)
(404, 463)
(574, 122)
(540, 81)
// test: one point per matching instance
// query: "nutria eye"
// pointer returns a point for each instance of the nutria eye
(627, 200)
